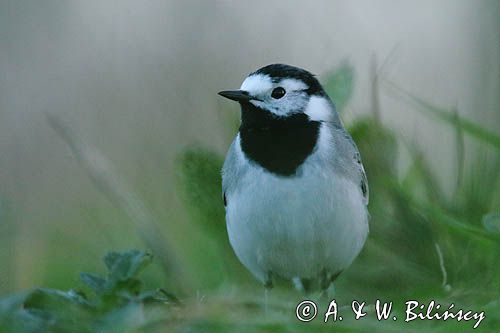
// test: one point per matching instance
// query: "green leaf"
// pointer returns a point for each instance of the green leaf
(64, 311)
(339, 85)
(96, 283)
(128, 287)
(118, 307)
(47, 298)
(110, 259)
(159, 295)
(126, 265)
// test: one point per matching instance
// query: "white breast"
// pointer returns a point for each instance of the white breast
(295, 226)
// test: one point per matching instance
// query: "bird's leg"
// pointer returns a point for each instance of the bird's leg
(324, 283)
(306, 285)
(335, 276)
(329, 287)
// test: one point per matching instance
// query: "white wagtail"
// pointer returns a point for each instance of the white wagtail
(294, 187)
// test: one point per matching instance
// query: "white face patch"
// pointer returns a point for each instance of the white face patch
(261, 86)
(257, 84)
(293, 85)
(319, 109)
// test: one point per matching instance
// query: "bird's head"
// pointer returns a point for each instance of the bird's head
(283, 91)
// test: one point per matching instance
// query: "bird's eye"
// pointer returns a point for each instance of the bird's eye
(278, 93)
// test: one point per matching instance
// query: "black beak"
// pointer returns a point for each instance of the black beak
(236, 95)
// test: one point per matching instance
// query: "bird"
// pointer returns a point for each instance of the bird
(293, 184)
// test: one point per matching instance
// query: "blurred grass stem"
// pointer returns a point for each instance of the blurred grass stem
(106, 179)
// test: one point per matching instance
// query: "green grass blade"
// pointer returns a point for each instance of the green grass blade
(439, 215)
(467, 126)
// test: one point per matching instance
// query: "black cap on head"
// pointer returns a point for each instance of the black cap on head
(281, 71)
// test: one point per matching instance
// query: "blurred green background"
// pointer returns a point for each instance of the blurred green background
(125, 92)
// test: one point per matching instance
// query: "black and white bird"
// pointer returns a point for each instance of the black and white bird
(294, 187)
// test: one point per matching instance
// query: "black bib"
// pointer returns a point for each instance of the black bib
(278, 144)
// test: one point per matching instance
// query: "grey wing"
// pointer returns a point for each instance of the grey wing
(364, 181)
(350, 159)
